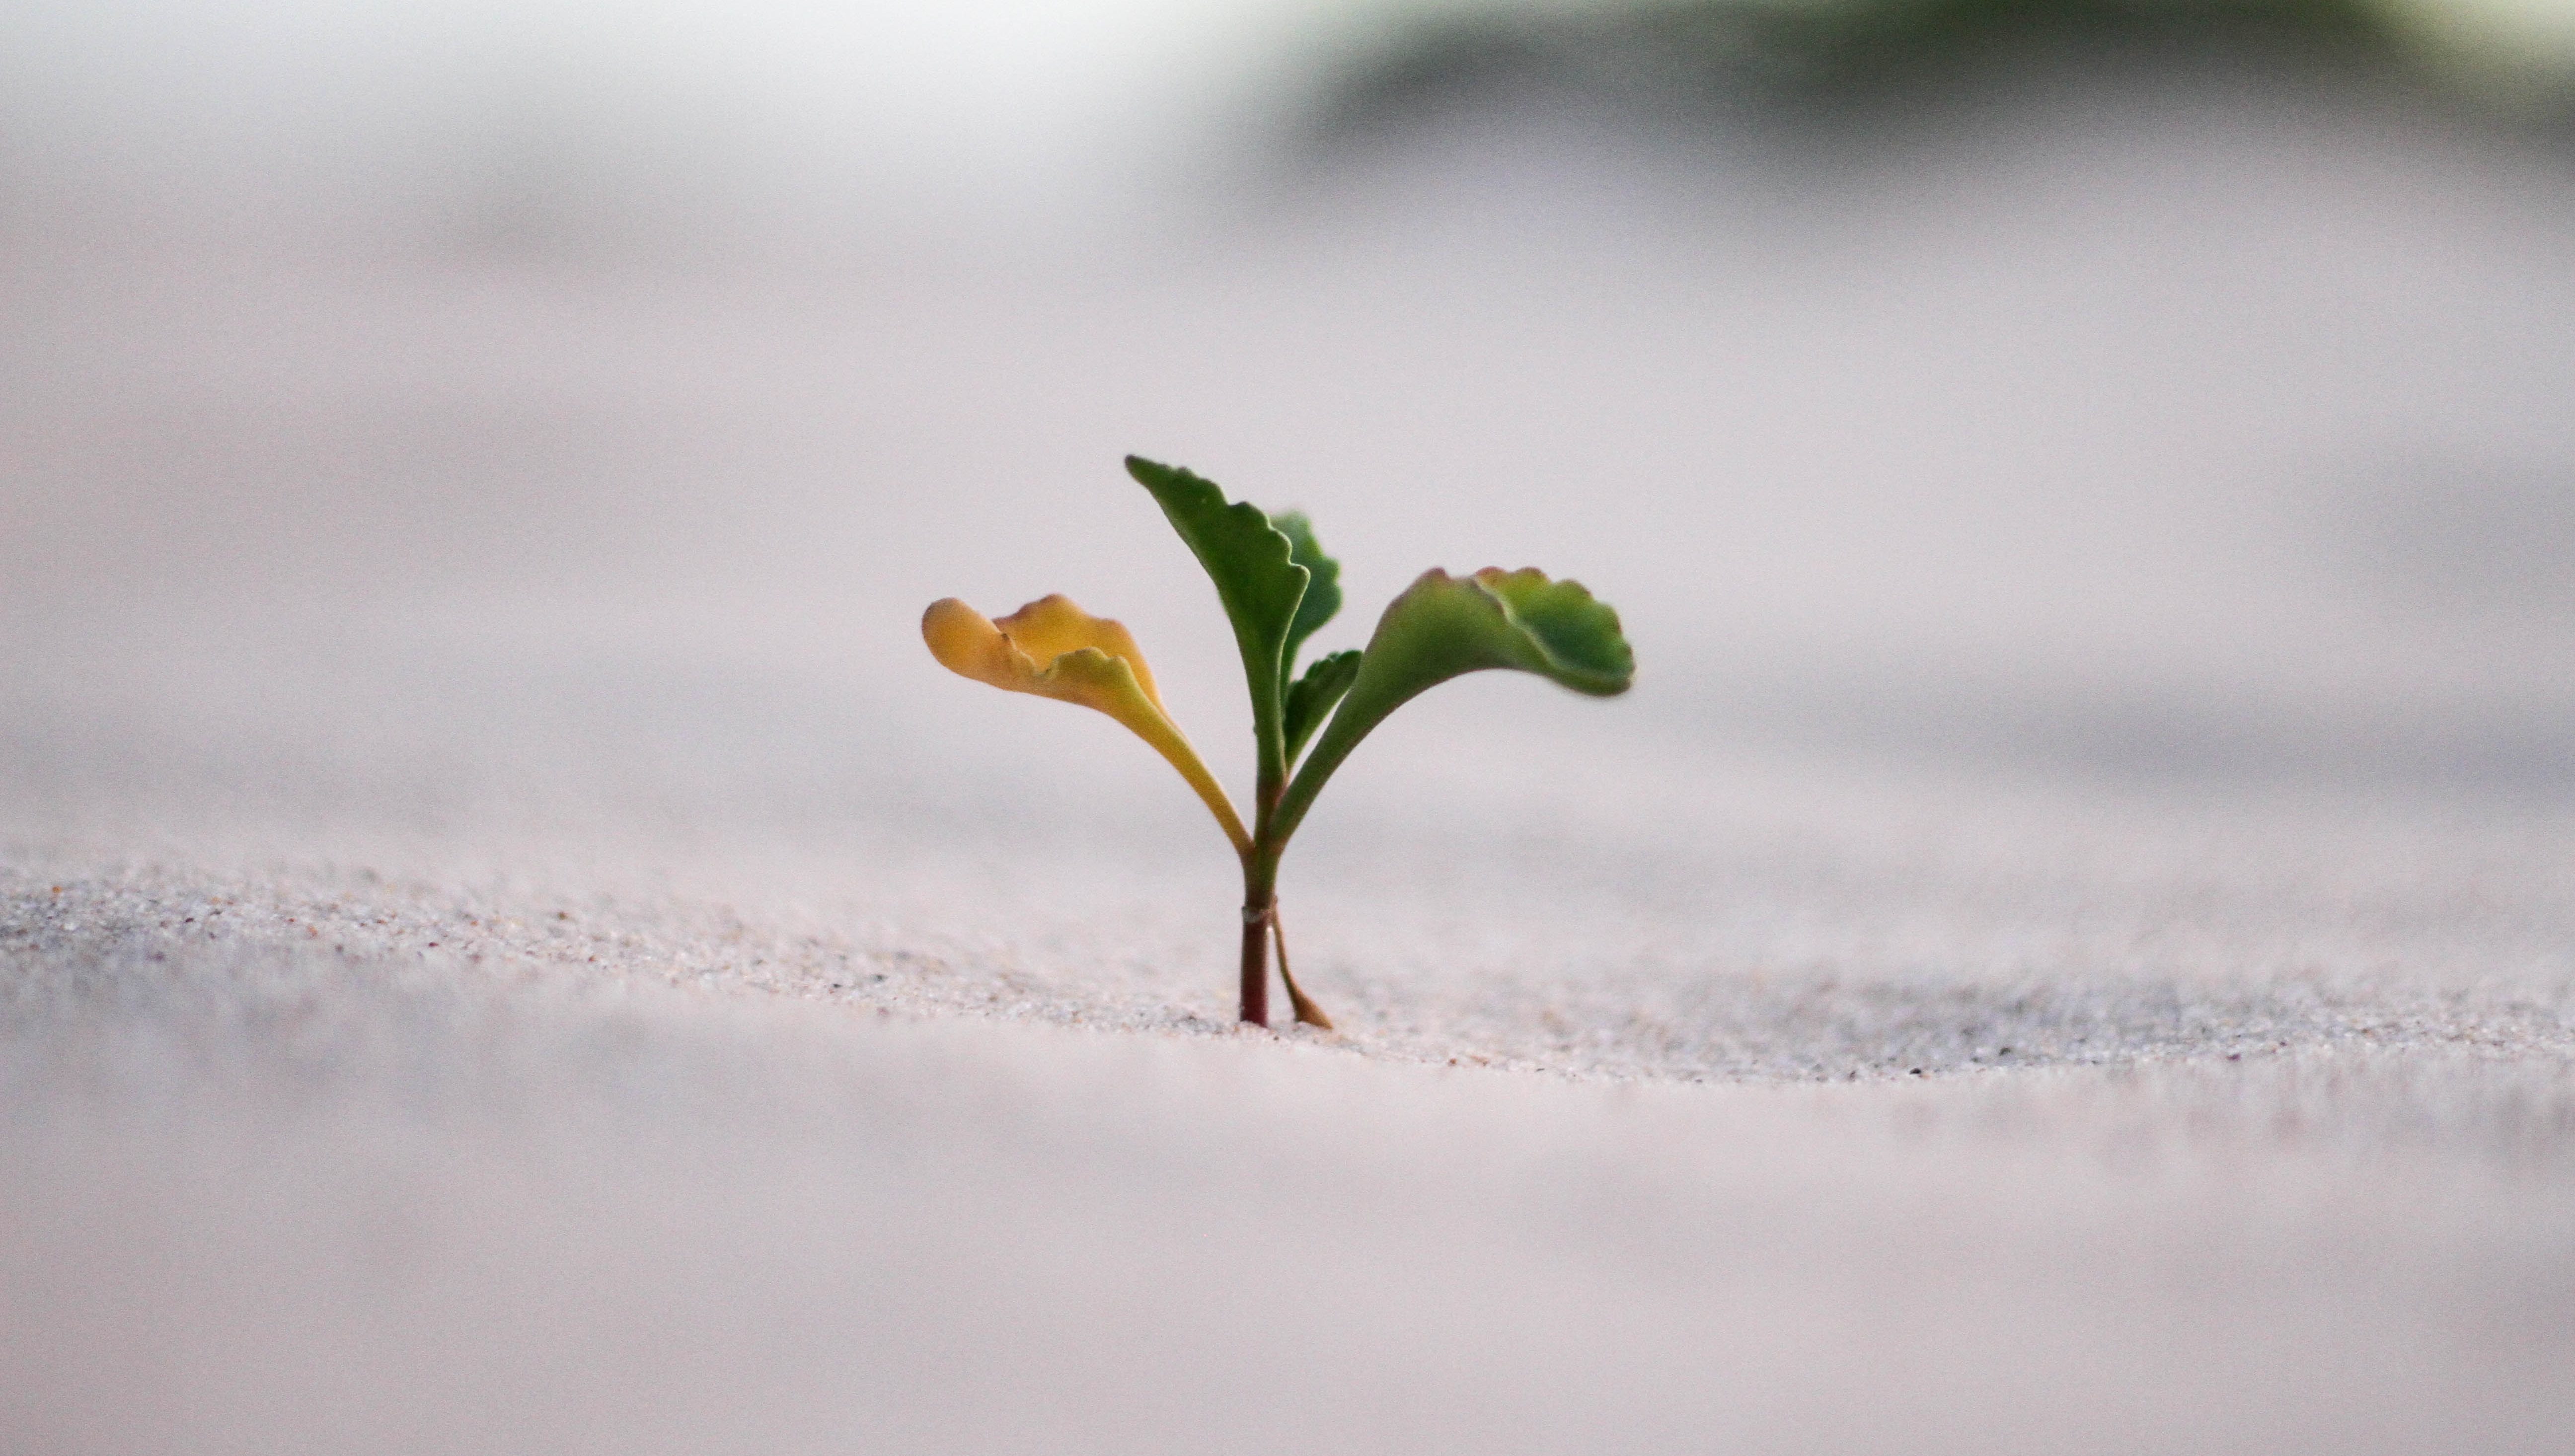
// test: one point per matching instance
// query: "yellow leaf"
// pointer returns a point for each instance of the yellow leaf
(1087, 660)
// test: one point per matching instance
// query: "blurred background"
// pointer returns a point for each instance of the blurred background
(454, 404)
(2089, 483)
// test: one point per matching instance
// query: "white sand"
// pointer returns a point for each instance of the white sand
(508, 945)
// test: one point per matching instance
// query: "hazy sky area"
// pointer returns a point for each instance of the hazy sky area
(210, 113)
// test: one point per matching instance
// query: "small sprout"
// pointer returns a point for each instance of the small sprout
(1278, 589)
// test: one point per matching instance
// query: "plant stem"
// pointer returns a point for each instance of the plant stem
(1307, 1014)
(1256, 965)
(1259, 907)
(1261, 932)
(1260, 866)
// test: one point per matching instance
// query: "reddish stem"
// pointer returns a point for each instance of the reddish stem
(1256, 962)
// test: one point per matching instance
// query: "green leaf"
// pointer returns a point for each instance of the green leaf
(1313, 697)
(1443, 626)
(1257, 580)
(1323, 592)
(1576, 637)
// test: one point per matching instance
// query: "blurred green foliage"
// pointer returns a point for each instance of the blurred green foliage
(1820, 59)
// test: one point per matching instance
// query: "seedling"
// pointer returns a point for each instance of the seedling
(1278, 587)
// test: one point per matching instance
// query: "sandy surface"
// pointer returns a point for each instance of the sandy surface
(507, 943)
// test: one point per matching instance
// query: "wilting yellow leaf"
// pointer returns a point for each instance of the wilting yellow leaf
(1087, 660)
